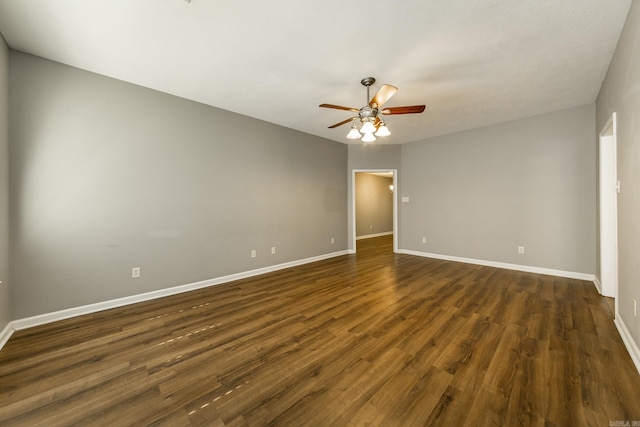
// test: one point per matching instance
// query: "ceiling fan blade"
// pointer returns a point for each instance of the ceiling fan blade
(343, 122)
(338, 107)
(383, 95)
(404, 110)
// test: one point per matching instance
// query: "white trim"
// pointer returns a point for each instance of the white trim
(608, 209)
(369, 236)
(517, 267)
(598, 285)
(6, 334)
(352, 211)
(29, 322)
(42, 319)
(628, 341)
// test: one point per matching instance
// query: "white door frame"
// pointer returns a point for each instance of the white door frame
(395, 203)
(608, 209)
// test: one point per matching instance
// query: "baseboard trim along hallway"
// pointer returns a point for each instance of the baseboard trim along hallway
(627, 339)
(42, 319)
(55, 316)
(507, 266)
(378, 338)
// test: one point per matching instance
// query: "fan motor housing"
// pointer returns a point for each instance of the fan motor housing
(368, 112)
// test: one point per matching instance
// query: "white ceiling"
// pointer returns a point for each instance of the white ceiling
(472, 62)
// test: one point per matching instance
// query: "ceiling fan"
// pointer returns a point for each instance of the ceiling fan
(369, 114)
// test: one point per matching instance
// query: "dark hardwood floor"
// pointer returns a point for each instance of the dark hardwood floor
(369, 339)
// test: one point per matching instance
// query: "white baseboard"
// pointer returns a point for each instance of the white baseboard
(42, 319)
(6, 334)
(517, 267)
(628, 341)
(369, 236)
(598, 285)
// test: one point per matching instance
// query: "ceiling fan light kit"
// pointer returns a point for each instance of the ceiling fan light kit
(383, 130)
(367, 127)
(354, 133)
(368, 137)
(368, 115)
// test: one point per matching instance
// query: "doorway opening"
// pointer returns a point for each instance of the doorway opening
(609, 186)
(374, 205)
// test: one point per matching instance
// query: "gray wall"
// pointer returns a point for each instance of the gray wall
(372, 156)
(482, 193)
(620, 93)
(106, 176)
(374, 204)
(5, 312)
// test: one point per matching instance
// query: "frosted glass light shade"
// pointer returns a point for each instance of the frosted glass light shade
(354, 133)
(368, 137)
(383, 131)
(367, 127)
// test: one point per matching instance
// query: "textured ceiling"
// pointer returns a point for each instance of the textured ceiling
(472, 62)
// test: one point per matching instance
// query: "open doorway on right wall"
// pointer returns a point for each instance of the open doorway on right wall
(608, 211)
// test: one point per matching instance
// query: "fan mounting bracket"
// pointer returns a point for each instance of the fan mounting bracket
(367, 81)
